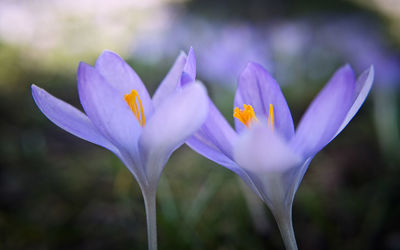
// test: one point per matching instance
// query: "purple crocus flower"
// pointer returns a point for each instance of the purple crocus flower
(121, 117)
(265, 151)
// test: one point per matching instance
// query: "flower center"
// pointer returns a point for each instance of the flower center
(247, 115)
(135, 104)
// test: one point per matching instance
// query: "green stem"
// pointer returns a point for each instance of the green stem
(284, 221)
(150, 206)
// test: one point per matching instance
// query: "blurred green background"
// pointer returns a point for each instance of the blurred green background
(59, 192)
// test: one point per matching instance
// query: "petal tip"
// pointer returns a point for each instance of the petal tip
(182, 54)
(85, 74)
(107, 56)
(191, 50)
(255, 67)
(197, 86)
(201, 87)
(34, 87)
(35, 91)
(82, 67)
(189, 70)
(372, 70)
(347, 68)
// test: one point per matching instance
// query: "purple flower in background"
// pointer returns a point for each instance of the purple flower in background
(265, 151)
(221, 48)
(225, 50)
(121, 117)
(361, 42)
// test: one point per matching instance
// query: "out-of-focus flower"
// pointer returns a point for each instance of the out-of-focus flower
(121, 117)
(361, 43)
(223, 49)
(310, 46)
(289, 43)
(265, 151)
(228, 50)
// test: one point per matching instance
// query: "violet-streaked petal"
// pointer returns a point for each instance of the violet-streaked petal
(261, 150)
(363, 86)
(216, 132)
(257, 88)
(173, 122)
(171, 81)
(189, 71)
(107, 109)
(123, 78)
(69, 118)
(326, 113)
(201, 145)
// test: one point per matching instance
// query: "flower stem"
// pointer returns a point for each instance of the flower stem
(150, 206)
(285, 225)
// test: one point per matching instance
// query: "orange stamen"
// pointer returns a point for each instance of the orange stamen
(245, 115)
(134, 102)
(271, 117)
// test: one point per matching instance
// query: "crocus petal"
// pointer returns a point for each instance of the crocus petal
(363, 86)
(173, 122)
(123, 78)
(171, 81)
(189, 71)
(107, 109)
(215, 133)
(269, 162)
(201, 145)
(326, 113)
(69, 118)
(257, 88)
(260, 150)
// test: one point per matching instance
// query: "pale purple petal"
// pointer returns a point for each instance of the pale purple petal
(326, 113)
(261, 150)
(69, 118)
(257, 88)
(107, 109)
(269, 162)
(216, 133)
(171, 80)
(363, 86)
(214, 140)
(189, 71)
(201, 145)
(123, 78)
(173, 122)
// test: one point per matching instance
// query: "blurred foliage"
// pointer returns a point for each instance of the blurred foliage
(59, 192)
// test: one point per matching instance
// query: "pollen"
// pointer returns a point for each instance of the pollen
(245, 115)
(134, 102)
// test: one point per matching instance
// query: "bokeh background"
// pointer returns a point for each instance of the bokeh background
(59, 192)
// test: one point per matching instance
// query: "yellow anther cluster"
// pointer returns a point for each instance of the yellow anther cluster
(245, 115)
(135, 104)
